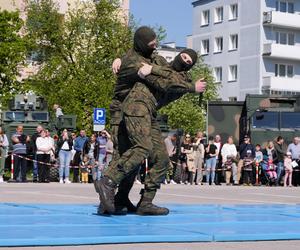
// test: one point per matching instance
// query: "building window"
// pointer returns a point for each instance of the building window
(233, 12)
(233, 42)
(219, 15)
(282, 70)
(218, 74)
(232, 99)
(285, 38)
(205, 47)
(218, 45)
(232, 73)
(285, 6)
(205, 18)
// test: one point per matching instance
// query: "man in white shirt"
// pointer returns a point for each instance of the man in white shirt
(229, 150)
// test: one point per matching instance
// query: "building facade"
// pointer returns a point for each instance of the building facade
(252, 46)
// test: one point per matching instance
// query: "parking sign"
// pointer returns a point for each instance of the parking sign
(99, 119)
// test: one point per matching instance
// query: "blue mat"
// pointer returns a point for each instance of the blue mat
(38, 225)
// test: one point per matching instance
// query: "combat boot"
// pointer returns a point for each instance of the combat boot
(122, 201)
(118, 211)
(146, 207)
(107, 189)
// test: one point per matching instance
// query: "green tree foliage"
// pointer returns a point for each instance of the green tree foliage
(189, 111)
(12, 53)
(76, 52)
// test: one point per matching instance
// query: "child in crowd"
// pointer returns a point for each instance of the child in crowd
(228, 168)
(248, 168)
(288, 169)
(258, 159)
(84, 168)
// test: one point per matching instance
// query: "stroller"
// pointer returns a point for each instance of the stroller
(269, 171)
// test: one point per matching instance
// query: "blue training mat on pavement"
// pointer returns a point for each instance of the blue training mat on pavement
(52, 224)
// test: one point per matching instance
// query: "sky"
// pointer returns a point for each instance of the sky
(175, 16)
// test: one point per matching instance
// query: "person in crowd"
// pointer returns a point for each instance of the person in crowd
(58, 110)
(170, 142)
(270, 164)
(91, 149)
(3, 152)
(84, 169)
(219, 169)
(211, 153)
(244, 147)
(280, 150)
(35, 135)
(102, 140)
(199, 157)
(109, 151)
(190, 154)
(19, 140)
(44, 147)
(248, 168)
(184, 150)
(228, 168)
(294, 148)
(64, 147)
(288, 170)
(229, 154)
(53, 144)
(258, 161)
(78, 146)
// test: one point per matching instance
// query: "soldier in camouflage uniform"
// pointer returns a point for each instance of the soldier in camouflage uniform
(139, 112)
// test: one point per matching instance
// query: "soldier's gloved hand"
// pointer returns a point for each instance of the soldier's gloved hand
(144, 70)
(116, 65)
(200, 86)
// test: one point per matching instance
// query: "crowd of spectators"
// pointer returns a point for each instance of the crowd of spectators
(85, 156)
(246, 164)
(193, 159)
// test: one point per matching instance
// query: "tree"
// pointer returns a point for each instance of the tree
(12, 53)
(76, 52)
(189, 111)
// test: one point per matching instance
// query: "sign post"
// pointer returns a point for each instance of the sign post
(99, 119)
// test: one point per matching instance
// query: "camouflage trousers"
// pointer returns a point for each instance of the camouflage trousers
(143, 141)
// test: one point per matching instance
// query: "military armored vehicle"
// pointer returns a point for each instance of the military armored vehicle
(263, 117)
(30, 111)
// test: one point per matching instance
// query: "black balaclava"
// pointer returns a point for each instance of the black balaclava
(179, 65)
(142, 37)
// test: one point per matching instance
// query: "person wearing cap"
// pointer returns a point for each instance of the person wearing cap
(136, 107)
(248, 163)
(288, 167)
(244, 146)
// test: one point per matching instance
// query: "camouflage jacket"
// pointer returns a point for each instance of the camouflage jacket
(163, 78)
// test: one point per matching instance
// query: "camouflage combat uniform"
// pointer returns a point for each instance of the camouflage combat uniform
(139, 117)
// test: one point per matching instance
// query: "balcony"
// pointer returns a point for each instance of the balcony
(281, 19)
(282, 51)
(284, 84)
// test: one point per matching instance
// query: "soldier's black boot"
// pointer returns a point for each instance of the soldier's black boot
(107, 189)
(122, 201)
(146, 207)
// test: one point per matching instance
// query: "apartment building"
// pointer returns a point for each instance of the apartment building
(253, 46)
